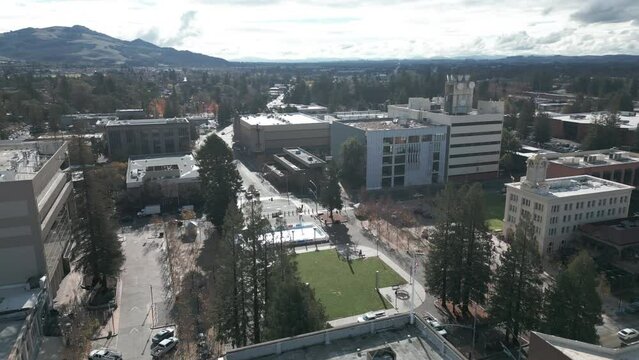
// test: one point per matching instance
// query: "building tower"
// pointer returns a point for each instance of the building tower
(535, 178)
(458, 94)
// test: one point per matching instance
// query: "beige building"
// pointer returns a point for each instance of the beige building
(148, 137)
(269, 133)
(559, 206)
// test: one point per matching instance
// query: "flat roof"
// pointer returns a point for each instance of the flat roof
(181, 167)
(577, 350)
(280, 119)
(22, 160)
(619, 232)
(591, 159)
(138, 122)
(387, 124)
(627, 120)
(304, 157)
(574, 185)
(9, 332)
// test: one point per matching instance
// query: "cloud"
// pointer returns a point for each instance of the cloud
(554, 37)
(184, 32)
(606, 11)
(517, 41)
(547, 10)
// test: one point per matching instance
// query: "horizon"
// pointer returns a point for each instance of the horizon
(352, 30)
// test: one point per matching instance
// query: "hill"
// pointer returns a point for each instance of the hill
(79, 45)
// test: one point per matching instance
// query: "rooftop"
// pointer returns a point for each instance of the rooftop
(620, 232)
(304, 157)
(590, 159)
(628, 120)
(577, 350)
(181, 167)
(14, 300)
(22, 160)
(139, 122)
(573, 186)
(360, 115)
(387, 124)
(280, 119)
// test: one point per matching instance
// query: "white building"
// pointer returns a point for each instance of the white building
(398, 152)
(174, 174)
(474, 135)
(558, 206)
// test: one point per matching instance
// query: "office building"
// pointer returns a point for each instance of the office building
(609, 164)
(398, 152)
(176, 175)
(474, 135)
(85, 122)
(549, 347)
(575, 126)
(269, 133)
(293, 169)
(558, 206)
(22, 312)
(130, 114)
(400, 336)
(148, 137)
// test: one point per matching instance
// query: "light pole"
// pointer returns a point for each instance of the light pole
(314, 192)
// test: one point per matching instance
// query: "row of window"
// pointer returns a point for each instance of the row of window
(476, 134)
(495, 122)
(413, 139)
(474, 164)
(476, 144)
(475, 154)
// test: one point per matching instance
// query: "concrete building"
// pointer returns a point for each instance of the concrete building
(392, 337)
(474, 135)
(398, 152)
(175, 174)
(558, 206)
(619, 238)
(609, 164)
(22, 310)
(549, 347)
(269, 133)
(575, 126)
(148, 137)
(130, 114)
(293, 169)
(85, 122)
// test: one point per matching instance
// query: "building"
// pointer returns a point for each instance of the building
(558, 206)
(575, 126)
(85, 121)
(399, 336)
(35, 212)
(398, 152)
(294, 168)
(22, 312)
(549, 347)
(619, 238)
(148, 137)
(474, 135)
(309, 109)
(177, 174)
(609, 164)
(269, 133)
(130, 114)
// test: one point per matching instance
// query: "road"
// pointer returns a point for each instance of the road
(142, 273)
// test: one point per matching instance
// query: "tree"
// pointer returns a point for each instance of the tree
(541, 130)
(516, 300)
(219, 178)
(572, 306)
(293, 308)
(603, 133)
(353, 166)
(331, 196)
(509, 146)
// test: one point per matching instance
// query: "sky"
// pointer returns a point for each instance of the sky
(251, 30)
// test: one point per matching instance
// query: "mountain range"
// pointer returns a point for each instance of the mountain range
(78, 45)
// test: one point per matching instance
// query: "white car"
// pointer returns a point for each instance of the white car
(435, 324)
(164, 347)
(628, 334)
(371, 316)
(104, 354)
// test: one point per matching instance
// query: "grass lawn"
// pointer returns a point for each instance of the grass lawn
(494, 207)
(342, 291)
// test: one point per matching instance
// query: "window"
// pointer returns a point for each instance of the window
(413, 139)
(400, 169)
(387, 171)
(399, 181)
(388, 149)
(474, 164)
(400, 159)
(400, 140)
(437, 146)
(477, 133)
(525, 202)
(387, 141)
(387, 160)
(427, 138)
(386, 182)
(435, 166)
(495, 122)
(476, 144)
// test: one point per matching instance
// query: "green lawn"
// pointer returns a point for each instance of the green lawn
(494, 206)
(342, 291)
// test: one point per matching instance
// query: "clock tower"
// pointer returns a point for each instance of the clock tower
(458, 94)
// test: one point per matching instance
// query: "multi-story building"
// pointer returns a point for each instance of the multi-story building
(609, 164)
(575, 126)
(148, 137)
(558, 206)
(177, 175)
(398, 152)
(269, 133)
(474, 135)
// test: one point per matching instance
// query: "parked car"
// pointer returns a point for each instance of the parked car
(628, 334)
(164, 347)
(371, 316)
(435, 324)
(163, 334)
(104, 354)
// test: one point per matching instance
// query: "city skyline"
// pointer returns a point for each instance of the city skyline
(254, 30)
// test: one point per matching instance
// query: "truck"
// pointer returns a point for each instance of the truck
(150, 210)
(164, 347)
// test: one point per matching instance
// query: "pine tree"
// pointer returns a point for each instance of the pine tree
(331, 195)
(219, 178)
(353, 163)
(572, 306)
(516, 302)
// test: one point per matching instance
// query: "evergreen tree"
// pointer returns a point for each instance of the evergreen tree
(293, 308)
(541, 130)
(572, 306)
(516, 301)
(603, 133)
(219, 178)
(331, 196)
(353, 166)
(509, 146)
